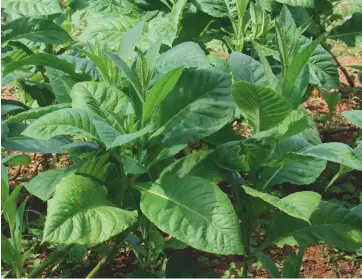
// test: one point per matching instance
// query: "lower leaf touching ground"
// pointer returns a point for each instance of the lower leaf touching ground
(80, 213)
(194, 211)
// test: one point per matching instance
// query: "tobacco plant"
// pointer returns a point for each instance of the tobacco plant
(123, 107)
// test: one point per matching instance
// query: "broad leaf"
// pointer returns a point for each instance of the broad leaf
(262, 107)
(61, 84)
(194, 211)
(232, 156)
(349, 30)
(300, 205)
(299, 3)
(331, 223)
(35, 113)
(12, 106)
(216, 8)
(160, 91)
(80, 213)
(355, 116)
(16, 160)
(129, 41)
(188, 54)
(30, 145)
(69, 121)
(33, 7)
(113, 138)
(43, 185)
(247, 69)
(35, 30)
(201, 164)
(106, 29)
(100, 98)
(43, 59)
(300, 172)
(186, 113)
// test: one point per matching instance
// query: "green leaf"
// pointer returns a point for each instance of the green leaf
(35, 113)
(355, 116)
(201, 164)
(4, 184)
(154, 246)
(216, 8)
(100, 98)
(16, 160)
(268, 264)
(323, 68)
(349, 30)
(300, 205)
(194, 211)
(293, 264)
(69, 121)
(9, 208)
(302, 172)
(299, 3)
(129, 41)
(113, 138)
(185, 113)
(33, 7)
(106, 29)
(43, 59)
(35, 30)
(43, 185)
(331, 223)
(232, 156)
(61, 84)
(82, 65)
(335, 152)
(262, 107)
(342, 170)
(188, 54)
(132, 78)
(247, 69)
(159, 92)
(12, 106)
(296, 67)
(80, 213)
(131, 166)
(331, 99)
(39, 91)
(24, 144)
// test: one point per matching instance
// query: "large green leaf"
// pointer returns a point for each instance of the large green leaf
(300, 205)
(159, 92)
(355, 116)
(39, 91)
(16, 160)
(232, 156)
(262, 107)
(106, 29)
(25, 144)
(247, 69)
(199, 105)
(43, 185)
(194, 211)
(297, 65)
(80, 213)
(129, 41)
(188, 54)
(349, 30)
(82, 65)
(331, 223)
(201, 164)
(216, 8)
(299, 3)
(33, 7)
(36, 30)
(163, 28)
(113, 138)
(69, 121)
(299, 172)
(43, 59)
(61, 84)
(99, 97)
(323, 69)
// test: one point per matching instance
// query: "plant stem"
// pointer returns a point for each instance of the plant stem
(339, 65)
(50, 260)
(104, 261)
(246, 254)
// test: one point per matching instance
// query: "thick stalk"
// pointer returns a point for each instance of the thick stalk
(50, 260)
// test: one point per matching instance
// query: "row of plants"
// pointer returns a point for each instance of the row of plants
(122, 87)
